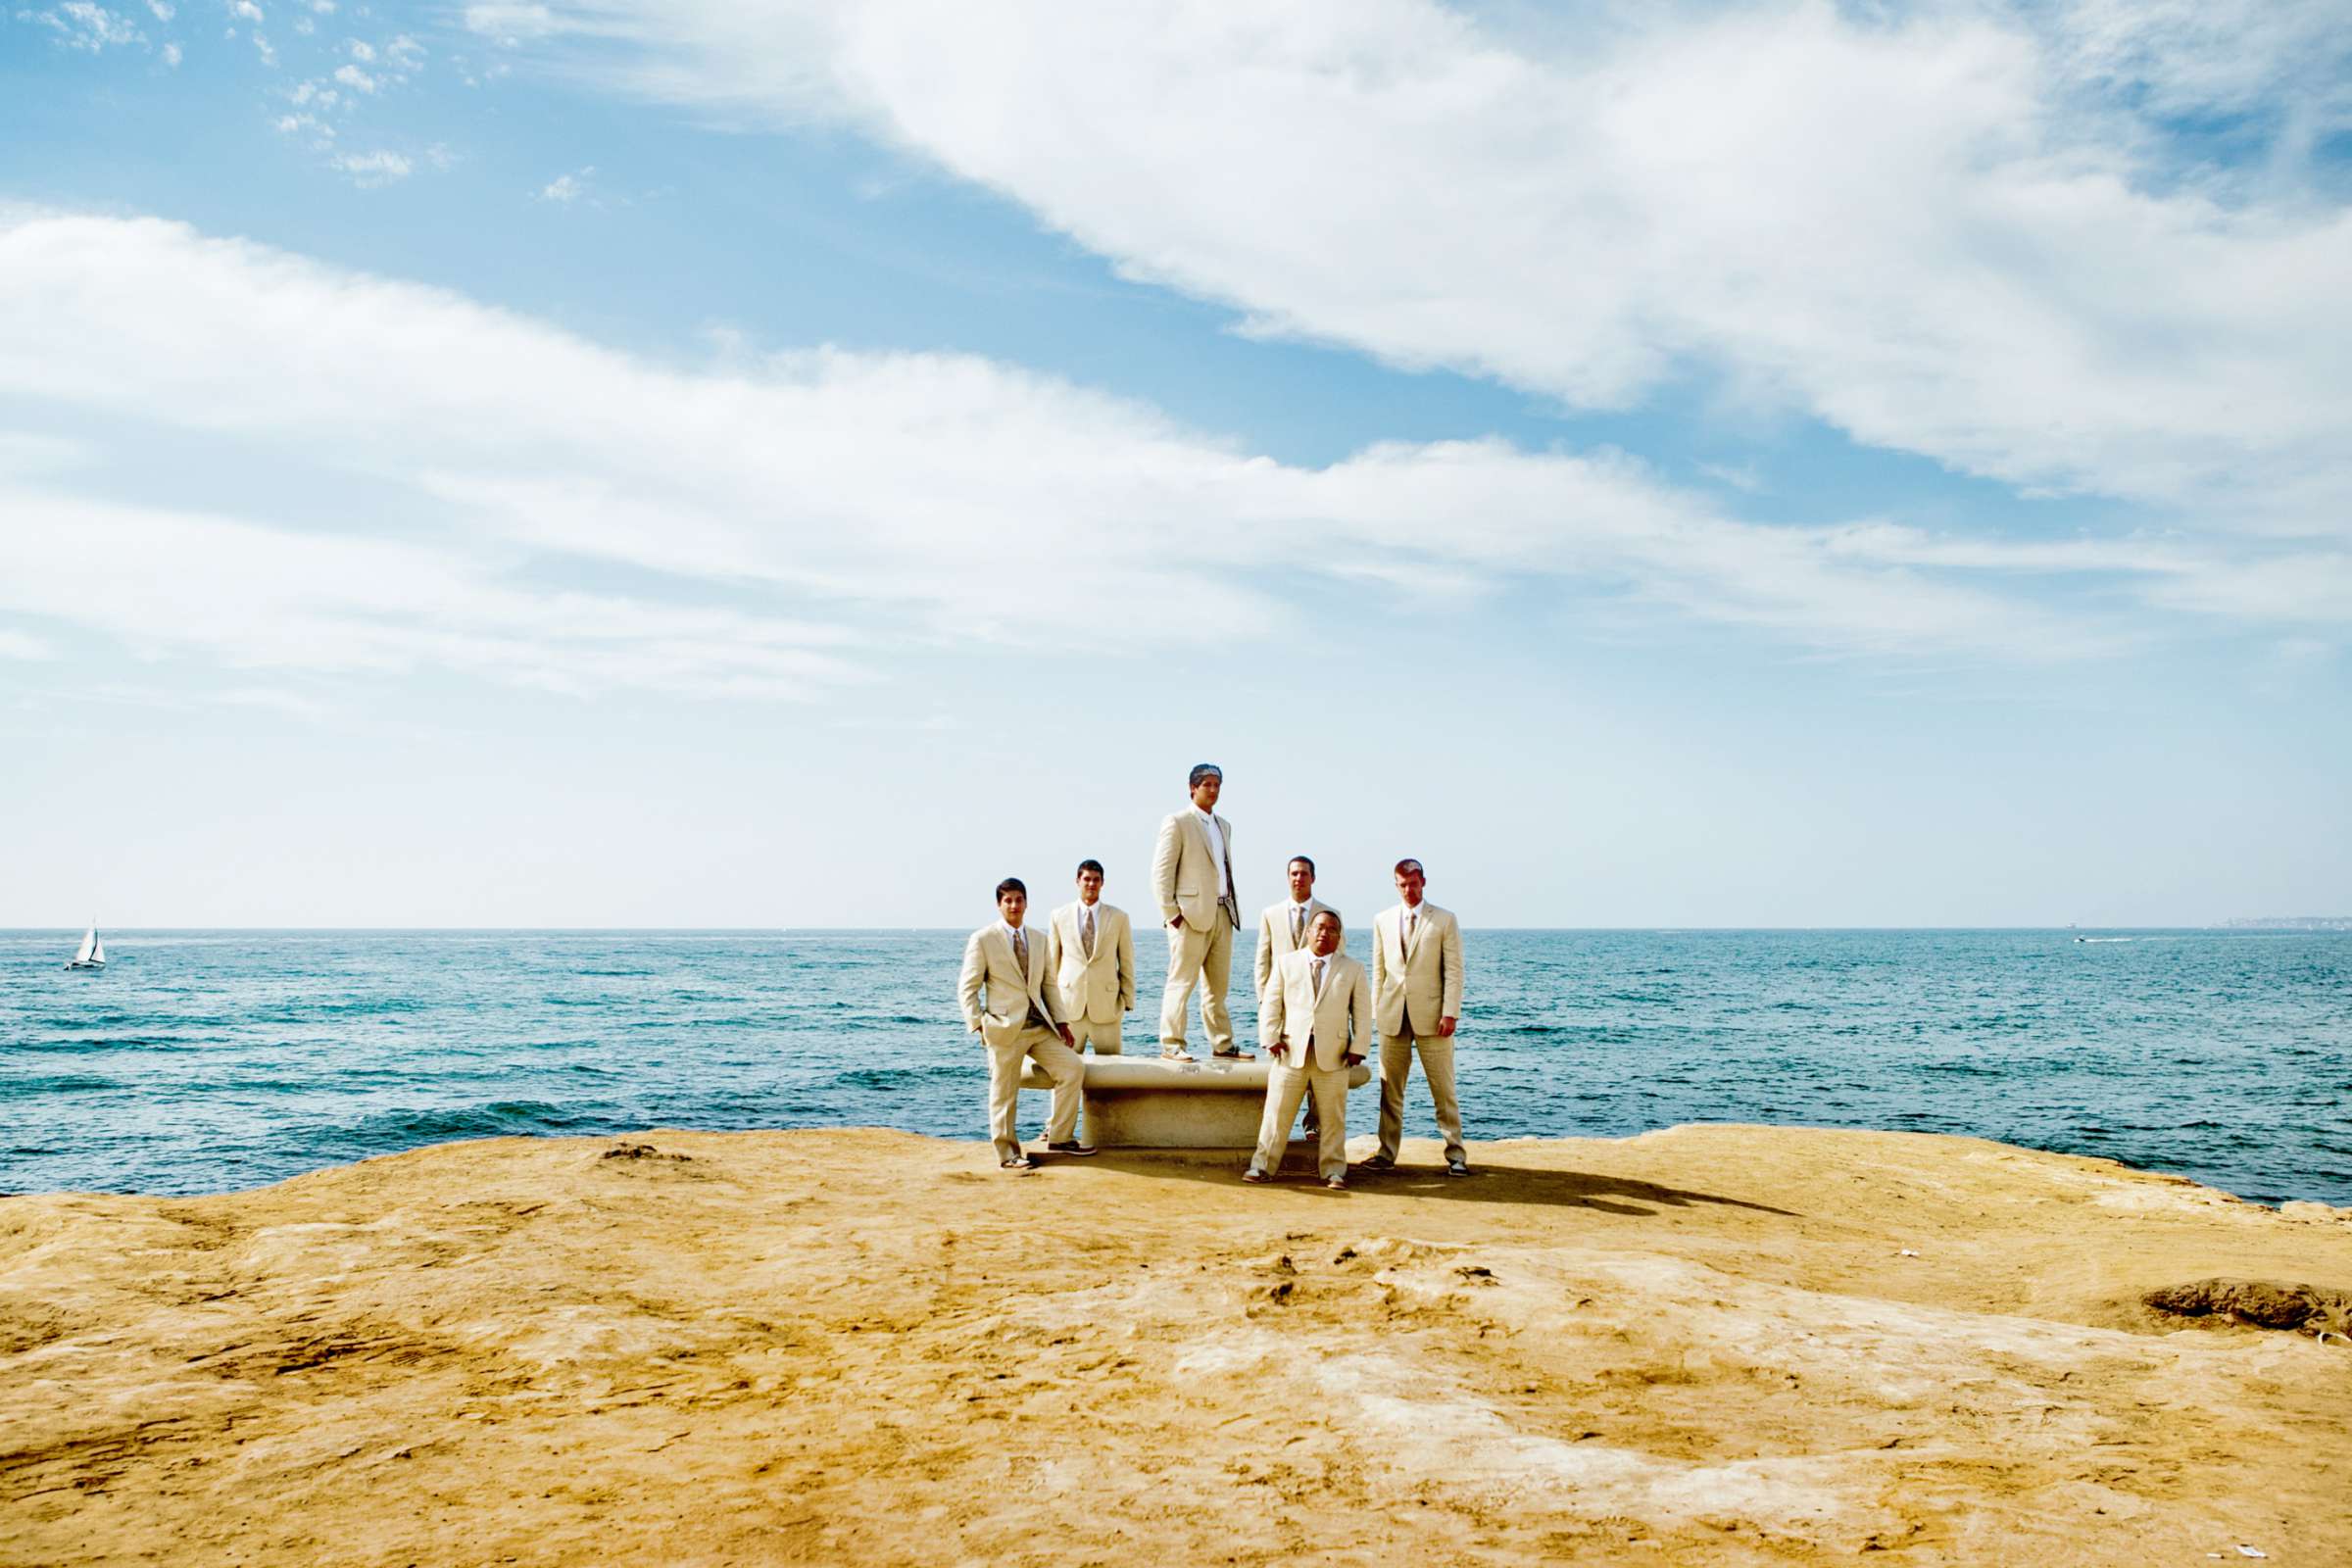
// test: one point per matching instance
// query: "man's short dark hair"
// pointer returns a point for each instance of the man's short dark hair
(1300, 860)
(1095, 866)
(1333, 915)
(1012, 884)
(1202, 770)
(1405, 866)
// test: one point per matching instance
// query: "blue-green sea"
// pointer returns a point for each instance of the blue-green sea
(207, 1061)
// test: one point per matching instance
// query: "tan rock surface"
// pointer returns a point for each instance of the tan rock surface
(1708, 1345)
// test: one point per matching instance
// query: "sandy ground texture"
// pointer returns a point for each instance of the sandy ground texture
(1719, 1344)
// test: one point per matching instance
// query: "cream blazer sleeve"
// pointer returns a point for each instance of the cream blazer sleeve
(1452, 1007)
(1126, 962)
(968, 985)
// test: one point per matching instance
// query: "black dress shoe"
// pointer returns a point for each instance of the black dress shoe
(1073, 1147)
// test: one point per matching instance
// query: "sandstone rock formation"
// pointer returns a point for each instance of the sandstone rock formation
(1717, 1344)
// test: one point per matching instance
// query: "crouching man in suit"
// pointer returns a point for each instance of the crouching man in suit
(1316, 1024)
(1012, 1002)
(1282, 930)
(1092, 948)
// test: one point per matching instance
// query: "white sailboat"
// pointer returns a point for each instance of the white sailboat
(92, 954)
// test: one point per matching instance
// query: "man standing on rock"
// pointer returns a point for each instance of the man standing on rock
(1417, 987)
(1282, 930)
(1192, 874)
(1090, 948)
(1011, 1001)
(1316, 1022)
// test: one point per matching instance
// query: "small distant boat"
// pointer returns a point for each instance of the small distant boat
(92, 953)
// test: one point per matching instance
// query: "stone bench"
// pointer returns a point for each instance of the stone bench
(1153, 1103)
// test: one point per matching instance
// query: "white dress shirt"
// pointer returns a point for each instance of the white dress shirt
(1216, 846)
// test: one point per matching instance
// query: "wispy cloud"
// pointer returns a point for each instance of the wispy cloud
(1966, 230)
(370, 169)
(80, 24)
(565, 189)
(867, 498)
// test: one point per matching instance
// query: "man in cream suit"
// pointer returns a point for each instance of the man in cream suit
(1012, 1002)
(1192, 875)
(1417, 987)
(1092, 949)
(1282, 930)
(1316, 1024)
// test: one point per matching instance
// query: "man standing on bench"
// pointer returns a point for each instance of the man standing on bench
(1192, 874)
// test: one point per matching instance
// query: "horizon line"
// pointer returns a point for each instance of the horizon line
(2236, 922)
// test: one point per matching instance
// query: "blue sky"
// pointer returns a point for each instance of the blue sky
(792, 464)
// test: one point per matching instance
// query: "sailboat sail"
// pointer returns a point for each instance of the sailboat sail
(89, 945)
(98, 951)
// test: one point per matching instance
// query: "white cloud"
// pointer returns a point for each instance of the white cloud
(261, 46)
(80, 24)
(25, 646)
(362, 52)
(276, 700)
(282, 599)
(927, 496)
(564, 189)
(171, 56)
(244, 10)
(163, 9)
(25, 453)
(1960, 229)
(511, 24)
(370, 170)
(354, 77)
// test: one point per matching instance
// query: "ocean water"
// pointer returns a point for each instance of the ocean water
(203, 1061)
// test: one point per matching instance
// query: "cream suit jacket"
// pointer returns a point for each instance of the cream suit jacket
(1292, 1013)
(1100, 992)
(1274, 936)
(989, 964)
(1185, 874)
(1420, 984)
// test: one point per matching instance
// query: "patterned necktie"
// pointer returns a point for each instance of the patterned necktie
(1412, 924)
(1298, 925)
(1086, 930)
(1020, 950)
(1318, 966)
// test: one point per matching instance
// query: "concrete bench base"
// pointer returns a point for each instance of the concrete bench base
(1152, 1102)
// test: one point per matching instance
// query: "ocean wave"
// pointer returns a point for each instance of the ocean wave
(402, 1129)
